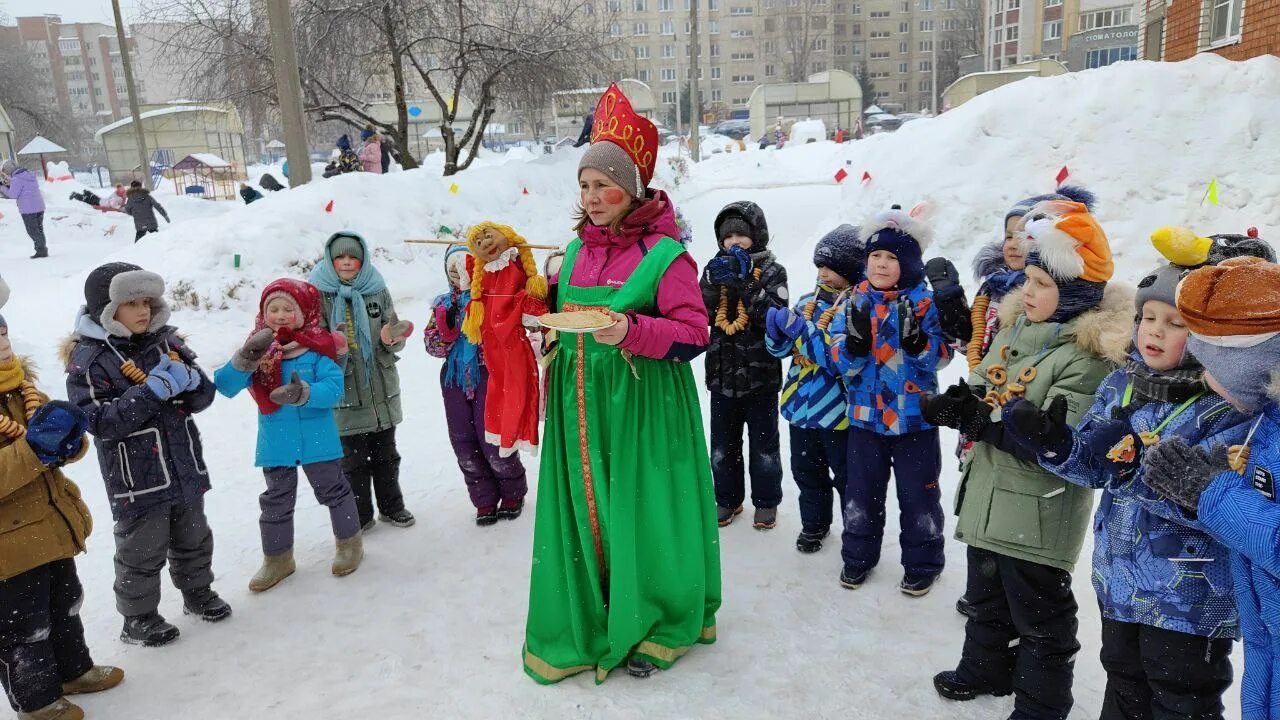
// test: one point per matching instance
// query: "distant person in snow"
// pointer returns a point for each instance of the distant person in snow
(585, 136)
(371, 152)
(284, 169)
(268, 182)
(347, 160)
(249, 194)
(18, 183)
(389, 153)
(115, 200)
(143, 207)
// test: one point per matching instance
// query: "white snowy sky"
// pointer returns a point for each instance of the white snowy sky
(70, 10)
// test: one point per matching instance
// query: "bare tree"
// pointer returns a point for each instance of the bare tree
(799, 26)
(493, 50)
(959, 36)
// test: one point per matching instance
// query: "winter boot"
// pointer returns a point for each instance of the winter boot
(96, 679)
(640, 668)
(487, 516)
(950, 686)
(853, 579)
(510, 509)
(148, 630)
(366, 527)
(810, 541)
(916, 585)
(274, 569)
(766, 518)
(400, 518)
(350, 551)
(205, 603)
(44, 254)
(60, 709)
(964, 607)
(724, 515)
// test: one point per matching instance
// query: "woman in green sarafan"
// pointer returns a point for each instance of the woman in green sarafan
(626, 558)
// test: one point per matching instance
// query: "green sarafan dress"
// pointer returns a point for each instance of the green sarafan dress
(626, 554)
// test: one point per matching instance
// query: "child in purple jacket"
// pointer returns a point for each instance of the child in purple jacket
(18, 183)
(491, 479)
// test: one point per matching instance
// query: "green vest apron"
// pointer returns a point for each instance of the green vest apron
(626, 557)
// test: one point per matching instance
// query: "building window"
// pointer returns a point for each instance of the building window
(742, 10)
(926, 65)
(926, 5)
(742, 33)
(1104, 19)
(667, 51)
(857, 28)
(902, 68)
(614, 6)
(1224, 21)
(926, 46)
(642, 51)
(713, 4)
(902, 86)
(878, 34)
(1011, 32)
(842, 49)
(743, 79)
(882, 95)
(713, 27)
(770, 71)
(820, 44)
(924, 85)
(817, 67)
(1014, 4)
(879, 54)
(1053, 30)
(904, 28)
(715, 49)
(902, 47)
(641, 5)
(717, 95)
(641, 29)
(668, 74)
(643, 76)
(715, 73)
(857, 50)
(879, 14)
(1052, 3)
(926, 26)
(668, 27)
(669, 97)
(998, 36)
(617, 52)
(615, 30)
(1107, 56)
(666, 5)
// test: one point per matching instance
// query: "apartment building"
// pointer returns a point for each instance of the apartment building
(80, 62)
(746, 43)
(1104, 32)
(1234, 29)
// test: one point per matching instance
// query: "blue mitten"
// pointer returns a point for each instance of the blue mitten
(784, 323)
(185, 375)
(721, 271)
(163, 381)
(1114, 441)
(56, 431)
(744, 261)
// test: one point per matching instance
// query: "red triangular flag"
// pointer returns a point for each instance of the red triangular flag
(329, 207)
(524, 191)
(1062, 174)
(866, 176)
(841, 175)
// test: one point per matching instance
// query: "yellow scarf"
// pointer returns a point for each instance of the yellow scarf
(11, 376)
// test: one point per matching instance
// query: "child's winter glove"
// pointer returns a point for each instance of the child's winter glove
(396, 330)
(297, 392)
(1181, 472)
(784, 323)
(247, 357)
(942, 274)
(744, 262)
(948, 297)
(721, 270)
(911, 335)
(168, 378)
(960, 408)
(857, 339)
(1114, 441)
(185, 374)
(1044, 432)
(56, 431)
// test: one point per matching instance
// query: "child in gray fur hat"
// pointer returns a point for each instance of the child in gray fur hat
(139, 383)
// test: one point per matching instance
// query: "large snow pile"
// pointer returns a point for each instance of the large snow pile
(435, 617)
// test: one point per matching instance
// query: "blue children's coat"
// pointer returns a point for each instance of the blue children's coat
(813, 396)
(1243, 512)
(884, 388)
(1153, 565)
(295, 435)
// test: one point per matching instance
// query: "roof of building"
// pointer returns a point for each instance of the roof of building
(155, 113)
(195, 160)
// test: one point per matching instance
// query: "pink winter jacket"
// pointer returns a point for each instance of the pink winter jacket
(371, 157)
(680, 331)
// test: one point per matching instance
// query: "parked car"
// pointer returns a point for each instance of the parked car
(736, 129)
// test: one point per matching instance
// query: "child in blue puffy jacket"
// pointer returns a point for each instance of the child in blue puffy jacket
(1234, 319)
(888, 346)
(1163, 582)
(296, 424)
(813, 396)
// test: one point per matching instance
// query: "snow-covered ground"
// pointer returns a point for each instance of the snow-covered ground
(433, 622)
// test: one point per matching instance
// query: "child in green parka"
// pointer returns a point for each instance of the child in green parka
(357, 301)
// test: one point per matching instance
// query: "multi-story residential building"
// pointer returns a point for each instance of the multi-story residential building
(746, 43)
(1104, 32)
(1023, 30)
(1234, 29)
(82, 62)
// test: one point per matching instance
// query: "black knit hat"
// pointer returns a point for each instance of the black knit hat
(841, 251)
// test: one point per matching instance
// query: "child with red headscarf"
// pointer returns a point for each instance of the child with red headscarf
(296, 426)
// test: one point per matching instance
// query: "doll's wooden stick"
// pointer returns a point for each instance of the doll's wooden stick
(531, 246)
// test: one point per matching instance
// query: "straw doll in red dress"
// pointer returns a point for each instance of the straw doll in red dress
(505, 289)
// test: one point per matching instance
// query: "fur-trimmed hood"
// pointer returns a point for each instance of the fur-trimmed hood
(989, 259)
(1105, 331)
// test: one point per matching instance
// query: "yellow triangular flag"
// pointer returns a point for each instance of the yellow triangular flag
(454, 189)
(1212, 195)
